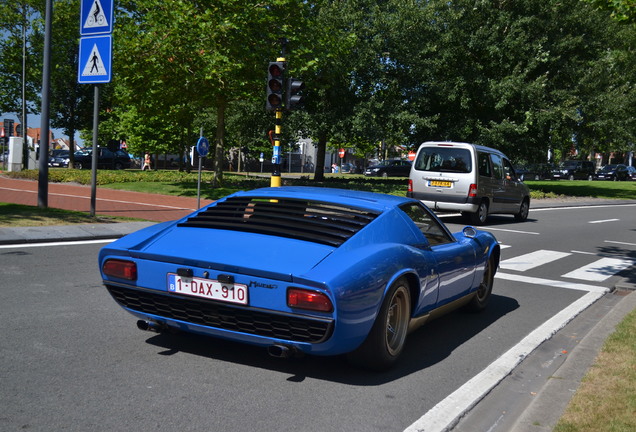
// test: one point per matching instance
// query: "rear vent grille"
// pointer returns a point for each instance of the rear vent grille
(313, 221)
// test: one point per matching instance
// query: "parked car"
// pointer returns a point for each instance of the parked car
(574, 170)
(302, 270)
(389, 168)
(538, 171)
(613, 172)
(106, 159)
(632, 172)
(472, 179)
(59, 158)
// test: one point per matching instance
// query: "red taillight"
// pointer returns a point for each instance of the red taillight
(410, 186)
(307, 299)
(120, 269)
(472, 191)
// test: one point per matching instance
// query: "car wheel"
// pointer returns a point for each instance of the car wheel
(385, 174)
(385, 341)
(537, 177)
(480, 216)
(482, 295)
(119, 166)
(524, 209)
(571, 177)
(78, 165)
(590, 177)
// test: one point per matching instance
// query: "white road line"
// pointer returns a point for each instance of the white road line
(508, 230)
(581, 207)
(600, 270)
(549, 282)
(446, 414)
(532, 260)
(620, 243)
(64, 243)
(105, 199)
(603, 221)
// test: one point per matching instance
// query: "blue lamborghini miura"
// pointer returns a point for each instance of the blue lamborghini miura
(302, 270)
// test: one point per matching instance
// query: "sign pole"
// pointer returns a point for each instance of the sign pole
(95, 155)
(203, 146)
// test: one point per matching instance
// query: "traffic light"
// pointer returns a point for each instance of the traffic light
(293, 98)
(275, 79)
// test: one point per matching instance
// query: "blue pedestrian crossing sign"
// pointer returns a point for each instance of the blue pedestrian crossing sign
(95, 59)
(96, 17)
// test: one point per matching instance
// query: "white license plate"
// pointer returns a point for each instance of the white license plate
(207, 288)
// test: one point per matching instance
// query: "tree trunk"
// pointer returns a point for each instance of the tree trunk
(220, 142)
(319, 168)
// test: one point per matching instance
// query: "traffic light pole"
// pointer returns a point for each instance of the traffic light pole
(276, 179)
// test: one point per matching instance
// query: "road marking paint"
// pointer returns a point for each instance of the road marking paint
(582, 207)
(600, 270)
(620, 243)
(64, 243)
(532, 260)
(508, 230)
(549, 282)
(603, 221)
(447, 413)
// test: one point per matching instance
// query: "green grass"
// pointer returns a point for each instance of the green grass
(584, 188)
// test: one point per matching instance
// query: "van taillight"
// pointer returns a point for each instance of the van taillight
(410, 186)
(120, 269)
(472, 191)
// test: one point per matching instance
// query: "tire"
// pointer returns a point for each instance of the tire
(385, 174)
(480, 216)
(119, 166)
(524, 209)
(571, 177)
(385, 341)
(78, 165)
(482, 295)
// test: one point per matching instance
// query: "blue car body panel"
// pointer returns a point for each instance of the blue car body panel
(353, 267)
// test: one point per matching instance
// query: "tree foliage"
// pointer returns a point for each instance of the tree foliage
(381, 76)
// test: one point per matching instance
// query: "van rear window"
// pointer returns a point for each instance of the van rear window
(444, 159)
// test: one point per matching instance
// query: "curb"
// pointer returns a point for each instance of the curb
(57, 233)
(547, 408)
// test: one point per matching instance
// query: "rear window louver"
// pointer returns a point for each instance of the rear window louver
(313, 221)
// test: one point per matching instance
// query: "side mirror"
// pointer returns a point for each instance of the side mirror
(469, 232)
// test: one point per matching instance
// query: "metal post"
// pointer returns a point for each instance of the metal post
(95, 155)
(199, 181)
(43, 175)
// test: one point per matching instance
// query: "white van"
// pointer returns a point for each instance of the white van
(472, 179)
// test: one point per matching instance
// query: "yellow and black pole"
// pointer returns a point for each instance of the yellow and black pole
(276, 179)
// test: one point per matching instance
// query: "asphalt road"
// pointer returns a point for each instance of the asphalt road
(71, 359)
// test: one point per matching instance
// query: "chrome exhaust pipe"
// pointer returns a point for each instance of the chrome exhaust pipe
(151, 326)
(281, 351)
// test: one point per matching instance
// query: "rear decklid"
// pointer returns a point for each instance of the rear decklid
(257, 236)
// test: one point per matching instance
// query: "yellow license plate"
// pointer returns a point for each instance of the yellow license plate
(441, 183)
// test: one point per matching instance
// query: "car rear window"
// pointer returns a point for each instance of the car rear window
(313, 221)
(444, 159)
